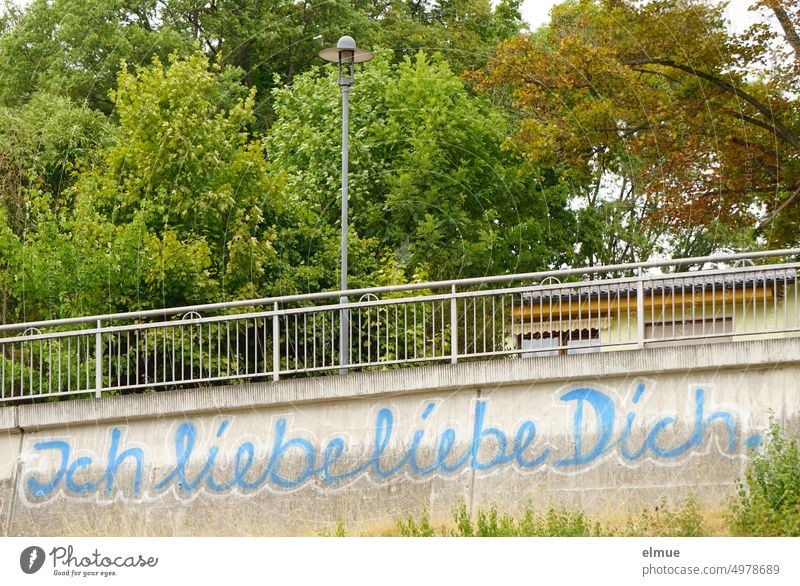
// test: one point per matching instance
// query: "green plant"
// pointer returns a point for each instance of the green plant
(662, 521)
(410, 528)
(767, 502)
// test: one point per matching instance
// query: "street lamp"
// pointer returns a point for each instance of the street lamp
(346, 55)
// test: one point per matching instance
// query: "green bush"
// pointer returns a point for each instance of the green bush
(768, 501)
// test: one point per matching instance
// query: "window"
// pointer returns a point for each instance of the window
(679, 333)
(560, 342)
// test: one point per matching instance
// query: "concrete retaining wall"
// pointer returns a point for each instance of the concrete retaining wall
(606, 432)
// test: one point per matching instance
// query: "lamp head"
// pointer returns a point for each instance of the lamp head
(346, 55)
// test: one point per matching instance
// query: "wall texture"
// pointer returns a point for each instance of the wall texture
(607, 432)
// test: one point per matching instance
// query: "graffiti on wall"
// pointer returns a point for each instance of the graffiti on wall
(598, 425)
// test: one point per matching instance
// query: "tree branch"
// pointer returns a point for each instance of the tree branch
(789, 29)
(771, 218)
(776, 125)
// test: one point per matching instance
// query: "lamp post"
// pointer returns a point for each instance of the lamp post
(346, 55)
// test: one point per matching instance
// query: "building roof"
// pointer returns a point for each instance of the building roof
(666, 284)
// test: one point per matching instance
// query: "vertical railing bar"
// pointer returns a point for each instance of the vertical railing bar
(236, 330)
(674, 295)
(78, 365)
(724, 296)
(296, 343)
(200, 349)
(683, 307)
(774, 304)
(466, 323)
(323, 344)
(503, 321)
(396, 333)
(433, 328)
(183, 350)
(628, 310)
(424, 332)
(494, 326)
(333, 337)
(785, 302)
(483, 323)
(146, 357)
(98, 361)
(31, 390)
(264, 360)
(41, 363)
(246, 347)
(764, 304)
(314, 340)
(577, 290)
(87, 364)
(377, 333)
(453, 325)
(128, 359)
(474, 325)
(111, 357)
(442, 329)
(164, 353)
(305, 340)
(276, 348)
(218, 328)
(513, 318)
(714, 306)
(703, 309)
(640, 311)
(286, 335)
(415, 330)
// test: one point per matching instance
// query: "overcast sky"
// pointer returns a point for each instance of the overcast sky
(535, 12)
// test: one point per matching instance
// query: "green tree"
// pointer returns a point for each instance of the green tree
(430, 181)
(186, 164)
(75, 47)
(41, 144)
(671, 132)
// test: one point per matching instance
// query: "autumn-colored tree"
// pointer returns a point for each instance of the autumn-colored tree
(696, 131)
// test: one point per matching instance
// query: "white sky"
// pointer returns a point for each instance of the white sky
(535, 12)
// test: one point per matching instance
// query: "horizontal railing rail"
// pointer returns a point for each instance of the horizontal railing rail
(570, 311)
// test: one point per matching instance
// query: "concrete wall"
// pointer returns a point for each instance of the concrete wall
(606, 432)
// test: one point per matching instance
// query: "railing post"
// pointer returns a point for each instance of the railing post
(640, 311)
(453, 326)
(276, 345)
(98, 357)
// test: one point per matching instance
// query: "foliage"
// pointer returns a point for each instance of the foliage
(75, 47)
(660, 120)
(490, 523)
(662, 521)
(429, 179)
(768, 500)
(41, 144)
(186, 165)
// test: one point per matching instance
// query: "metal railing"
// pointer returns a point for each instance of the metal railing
(535, 314)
